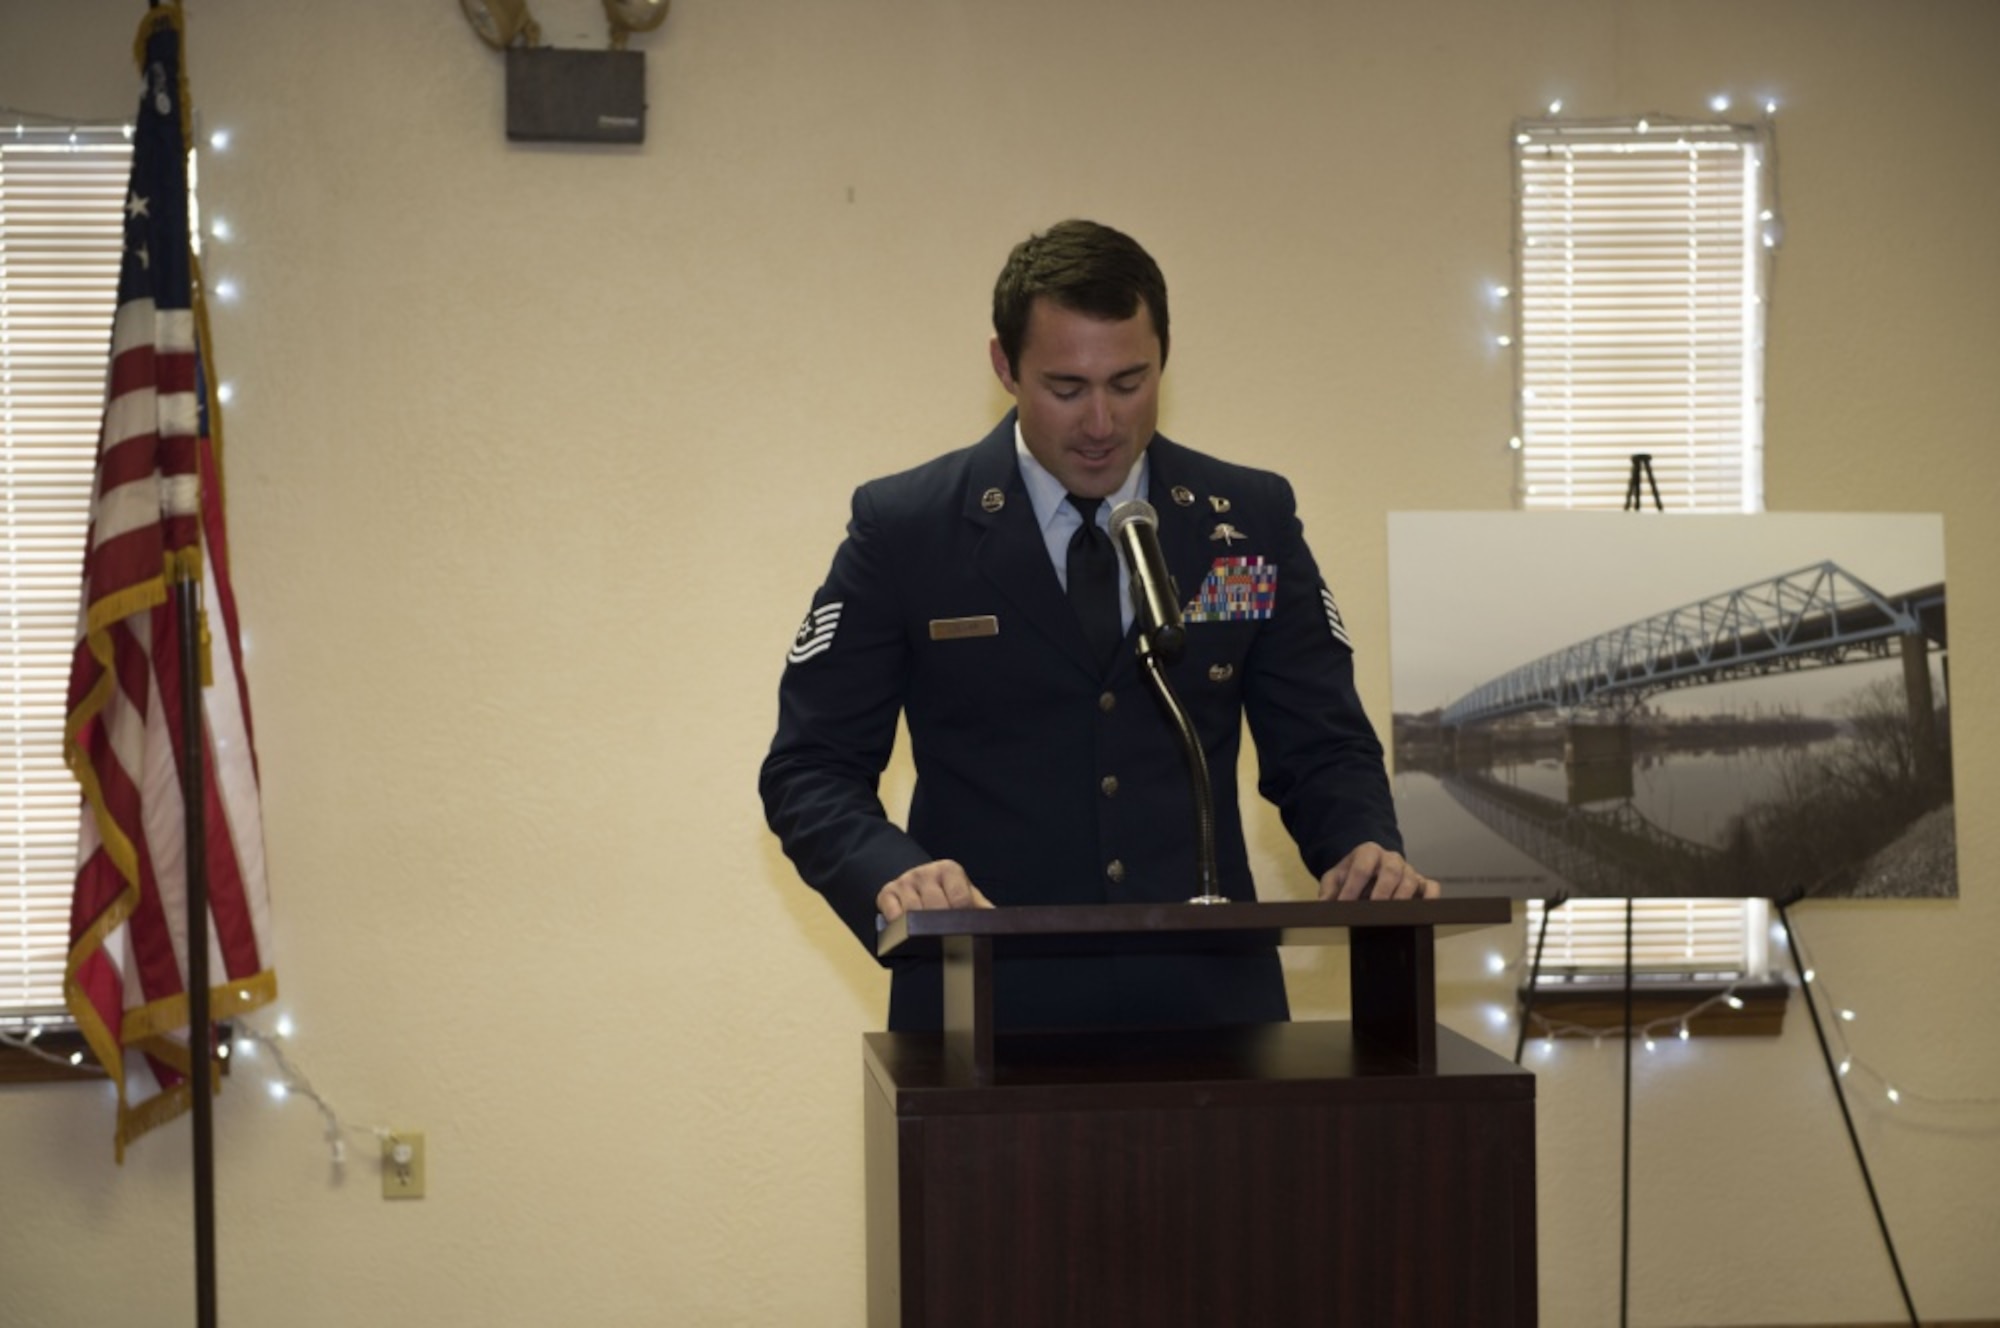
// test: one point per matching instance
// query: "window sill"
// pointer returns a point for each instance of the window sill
(24, 1067)
(1595, 1007)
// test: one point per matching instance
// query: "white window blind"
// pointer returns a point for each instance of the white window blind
(1641, 273)
(62, 198)
(1641, 263)
(1724, 939)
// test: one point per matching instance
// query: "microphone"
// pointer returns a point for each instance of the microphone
(1135, 529)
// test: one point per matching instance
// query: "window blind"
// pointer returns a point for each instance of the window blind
(1721, 938)
(1640, 303)
(1641, 275)
(62, 196)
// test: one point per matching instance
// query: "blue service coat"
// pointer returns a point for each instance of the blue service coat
(1053, 780)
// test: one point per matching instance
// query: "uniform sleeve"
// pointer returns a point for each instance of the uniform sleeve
(1319, 760)
(838, 704)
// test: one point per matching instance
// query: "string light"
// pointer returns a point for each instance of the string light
(1851, 1068)
(1848, 1067)
(292, 1082)
(1679, 1024)
(26, 1042)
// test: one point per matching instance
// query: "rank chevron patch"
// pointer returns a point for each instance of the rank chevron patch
(1333, 621)
(815, 635)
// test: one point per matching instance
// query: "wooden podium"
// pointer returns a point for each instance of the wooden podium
(1378, 1172)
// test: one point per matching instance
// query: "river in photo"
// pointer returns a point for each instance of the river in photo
(1689, 797)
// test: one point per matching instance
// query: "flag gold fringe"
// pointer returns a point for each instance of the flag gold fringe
(143, 1028)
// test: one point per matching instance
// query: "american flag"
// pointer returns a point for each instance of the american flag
(156, 519)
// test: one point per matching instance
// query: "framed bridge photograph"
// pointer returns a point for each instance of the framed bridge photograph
(1633, 705)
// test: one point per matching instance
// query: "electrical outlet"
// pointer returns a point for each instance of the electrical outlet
(403, 1165)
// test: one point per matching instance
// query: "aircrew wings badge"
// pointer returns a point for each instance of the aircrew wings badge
(815, 636)
(1235, 590)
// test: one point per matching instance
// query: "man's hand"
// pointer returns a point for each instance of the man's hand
(1374, 872)
(940, 884)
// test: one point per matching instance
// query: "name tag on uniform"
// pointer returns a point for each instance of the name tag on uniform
(956, 629)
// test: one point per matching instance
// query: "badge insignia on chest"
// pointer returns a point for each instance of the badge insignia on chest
(1235, 590)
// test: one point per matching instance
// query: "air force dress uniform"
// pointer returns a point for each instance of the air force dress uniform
(1051, 778)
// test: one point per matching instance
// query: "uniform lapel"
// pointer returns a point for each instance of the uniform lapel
(1011, 554)
(1185, 519)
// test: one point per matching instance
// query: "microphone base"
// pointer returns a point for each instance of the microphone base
(1211, 899)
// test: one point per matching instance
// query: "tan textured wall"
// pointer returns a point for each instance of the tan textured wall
(539, 452)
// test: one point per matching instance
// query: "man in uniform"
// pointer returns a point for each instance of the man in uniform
(971, 595)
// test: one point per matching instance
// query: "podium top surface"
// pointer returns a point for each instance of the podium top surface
(1290, 922)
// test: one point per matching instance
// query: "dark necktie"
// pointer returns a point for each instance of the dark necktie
(1093, 582)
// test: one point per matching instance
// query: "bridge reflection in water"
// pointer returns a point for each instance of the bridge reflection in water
(1605, 851)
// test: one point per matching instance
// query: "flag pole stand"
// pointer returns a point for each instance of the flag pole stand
(187, 610)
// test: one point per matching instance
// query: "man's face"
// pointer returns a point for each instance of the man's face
(1088, 392)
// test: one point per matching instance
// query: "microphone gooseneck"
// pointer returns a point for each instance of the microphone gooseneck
(1135, 529)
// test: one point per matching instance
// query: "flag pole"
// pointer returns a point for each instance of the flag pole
(187, 607)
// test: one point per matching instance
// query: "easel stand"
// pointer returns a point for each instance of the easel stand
(1631, 1033)
(1373, 1172)
(1846, 1116)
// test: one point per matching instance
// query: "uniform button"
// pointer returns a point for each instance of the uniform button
(1116, 871)
(1109, 784)
(1107, 703)
(1221, 672)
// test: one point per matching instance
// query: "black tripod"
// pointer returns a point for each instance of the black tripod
(1642, 464)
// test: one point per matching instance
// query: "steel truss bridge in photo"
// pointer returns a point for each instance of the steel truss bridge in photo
(1816, 616)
